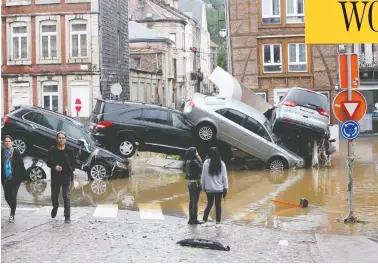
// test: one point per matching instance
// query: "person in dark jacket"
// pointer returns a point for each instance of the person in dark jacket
(61, 160)
(12, 174)
(193, 175)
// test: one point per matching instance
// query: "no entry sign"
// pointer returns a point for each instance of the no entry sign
(78, 105)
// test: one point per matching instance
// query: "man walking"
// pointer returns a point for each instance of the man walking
(61, 160)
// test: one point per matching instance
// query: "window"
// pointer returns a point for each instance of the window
(294, 11)
(234, 116)
(136, 63)
(19, 44)
(183, 41)
(30, 116)
(72, 131)
(118, 6)
(50, 96)
(255, 127)
(118, 44)
(79, 41)
(47, 121)
(172, 36)
(297, 57)
(134, 114)
(111, 107)
(179, 121)
(262, 95)
(271, 12)
(272, 58)
(303, 97)
(156, 116)
(49, 41)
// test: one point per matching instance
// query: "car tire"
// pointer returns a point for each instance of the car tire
(98, 171)
(206, 132)
(35, 173)
(126, 147)
(277, 164)
(20, 143)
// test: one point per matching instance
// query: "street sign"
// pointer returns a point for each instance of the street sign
(343, 71)
(353, 109)
(78, 105)
(350, 129)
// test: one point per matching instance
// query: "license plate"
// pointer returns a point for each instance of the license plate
(307, 110)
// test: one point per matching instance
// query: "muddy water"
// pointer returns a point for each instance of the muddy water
(249, 199)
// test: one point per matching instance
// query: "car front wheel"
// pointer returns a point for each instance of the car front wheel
(277, 164)
(206, 132)
(98, 171)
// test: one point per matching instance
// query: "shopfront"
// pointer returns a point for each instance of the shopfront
(369, 124)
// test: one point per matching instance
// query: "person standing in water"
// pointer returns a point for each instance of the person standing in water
(214, 183)
(193, 175)
(61, 160)
(12, 174)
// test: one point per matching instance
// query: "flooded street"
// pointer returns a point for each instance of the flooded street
(249, 198)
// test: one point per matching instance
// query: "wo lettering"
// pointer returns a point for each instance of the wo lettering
(358, 17)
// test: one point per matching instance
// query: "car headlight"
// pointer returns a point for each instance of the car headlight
(122, 165)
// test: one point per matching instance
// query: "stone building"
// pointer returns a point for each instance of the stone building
(268, 49)
(57, 51)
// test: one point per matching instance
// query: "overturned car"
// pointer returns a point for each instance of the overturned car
(294, 131)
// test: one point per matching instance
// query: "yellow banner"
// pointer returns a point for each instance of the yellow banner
(341, 22)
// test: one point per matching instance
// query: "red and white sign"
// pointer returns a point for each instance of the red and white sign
(350, 108)
(78, 105)
(345, 109)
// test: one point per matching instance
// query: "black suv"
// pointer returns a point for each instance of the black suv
(124, 126)
(34, 130)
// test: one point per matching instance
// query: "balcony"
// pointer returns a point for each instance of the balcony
(368, 68)
(368, 61)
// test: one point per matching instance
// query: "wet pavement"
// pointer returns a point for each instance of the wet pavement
(153, 203)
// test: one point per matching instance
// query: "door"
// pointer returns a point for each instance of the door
(45, 127)
(20, 95)
(255, 140)
(80, 92)
(73, 136)
(231, 126)
(156, 127)
(182, 134)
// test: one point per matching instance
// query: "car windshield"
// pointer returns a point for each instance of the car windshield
(268, 127)
(92, 141)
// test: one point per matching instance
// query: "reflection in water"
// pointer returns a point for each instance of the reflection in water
(250, 194)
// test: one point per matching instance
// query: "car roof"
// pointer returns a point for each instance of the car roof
(304, 89)
(43, 110)
(137, 103)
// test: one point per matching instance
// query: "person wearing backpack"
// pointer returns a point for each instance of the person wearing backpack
(193, 175)
(214, 183)
(12, 174)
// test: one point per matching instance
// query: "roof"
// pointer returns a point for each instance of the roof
(139, 33)
(112, 101)
(139, 9)
(213, 45)
(193, 6)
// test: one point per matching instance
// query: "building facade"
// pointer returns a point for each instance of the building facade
(269, 54)
(151, 70)
(57, 51)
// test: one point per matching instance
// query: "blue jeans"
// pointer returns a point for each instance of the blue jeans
(194, 194)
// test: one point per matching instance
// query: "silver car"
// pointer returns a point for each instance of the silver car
(240, 125)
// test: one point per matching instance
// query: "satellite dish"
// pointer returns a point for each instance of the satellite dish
(116, 89)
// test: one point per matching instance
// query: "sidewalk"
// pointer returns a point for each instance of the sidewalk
(38, 238)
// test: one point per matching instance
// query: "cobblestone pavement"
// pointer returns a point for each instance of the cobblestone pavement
(38, 238)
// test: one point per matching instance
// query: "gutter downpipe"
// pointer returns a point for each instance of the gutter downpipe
(229, 65)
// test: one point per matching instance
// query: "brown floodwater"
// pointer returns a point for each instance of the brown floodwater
(250, 193)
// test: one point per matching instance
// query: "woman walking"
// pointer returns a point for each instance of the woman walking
(214, 183)
(12, 174)
(193, 175)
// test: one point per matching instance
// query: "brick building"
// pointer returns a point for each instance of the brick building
(55, 51)
(268, 49)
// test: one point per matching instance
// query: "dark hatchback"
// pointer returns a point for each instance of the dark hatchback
(125, 126)
(34, 130)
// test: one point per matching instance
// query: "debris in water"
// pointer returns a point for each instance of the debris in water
(203, 243)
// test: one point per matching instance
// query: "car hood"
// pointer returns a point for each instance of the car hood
(105, 154)
(230, 87)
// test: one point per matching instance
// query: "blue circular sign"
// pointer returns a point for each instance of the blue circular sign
(350, 129)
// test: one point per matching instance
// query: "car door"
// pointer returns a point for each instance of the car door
(255, 139)
(73, 135)
(156, 127)
(181, 133)
(45, 128)
(231, 126)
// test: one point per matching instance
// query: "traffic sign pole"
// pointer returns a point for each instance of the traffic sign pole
(350, 141)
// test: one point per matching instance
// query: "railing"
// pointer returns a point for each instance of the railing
(368, 60)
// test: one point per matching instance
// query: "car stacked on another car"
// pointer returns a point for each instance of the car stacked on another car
(241, 126)
(34, 130)
(125, 126)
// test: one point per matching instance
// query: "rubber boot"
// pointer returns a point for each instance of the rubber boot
(195, 220)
